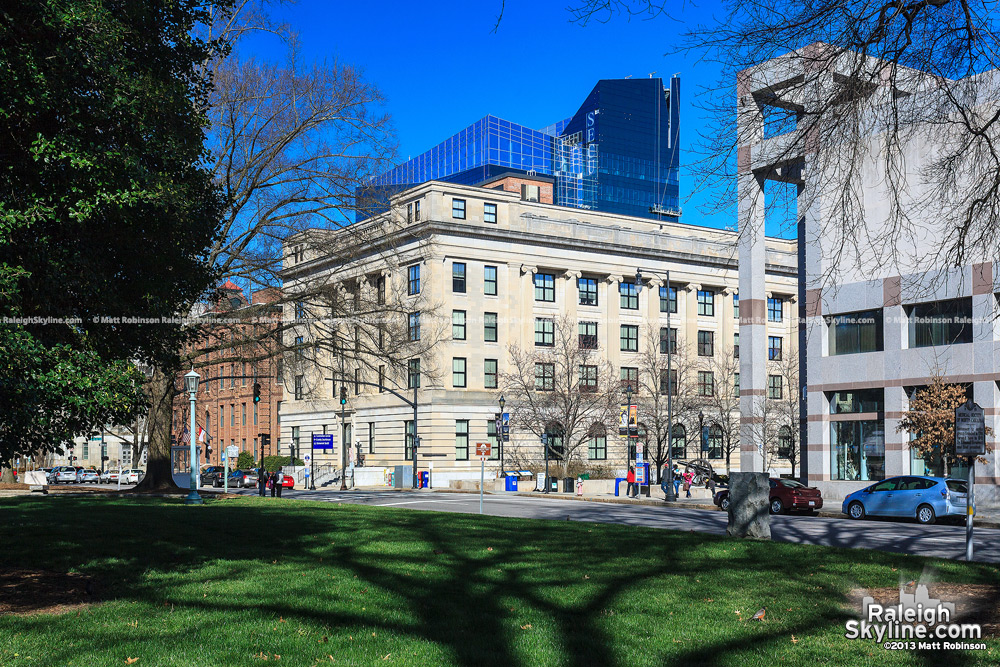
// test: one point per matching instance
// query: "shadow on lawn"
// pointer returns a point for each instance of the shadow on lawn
(463, 610)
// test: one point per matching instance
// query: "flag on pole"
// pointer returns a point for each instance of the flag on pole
(202, 434)
(184, 435)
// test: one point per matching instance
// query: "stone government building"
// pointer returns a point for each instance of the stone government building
(498, 266)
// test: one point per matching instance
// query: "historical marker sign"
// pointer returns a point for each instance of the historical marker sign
(484, 449)
(970, 430)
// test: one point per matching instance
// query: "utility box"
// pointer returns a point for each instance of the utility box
(402, 477)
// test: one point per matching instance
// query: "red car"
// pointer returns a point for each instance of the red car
(287, 482)
(787, 495)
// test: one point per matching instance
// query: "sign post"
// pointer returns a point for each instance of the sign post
(970, 440)
(483, 451)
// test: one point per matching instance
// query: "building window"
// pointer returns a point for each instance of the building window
(490, 373)
(775, 309)
(409, 213)
(588, 291)
(588, 378)
(491, 435)
(858, 401)
(490, 327)
(630, 338)
(298, 387)
(371, 437)
(545, 287)
(857, 450)
(243, 414)
(300, 310)
(380, 290)
(597, 445)
(706, 344)
(852, 333)
(588, 335)
(299, 348)
(461, 439)
(413, 279)
(254, 414)
(668, 300)
(458, 376)
(413, 328)
(413, 374)
(530, 192)
(381, 379)
(490, 280)
(668, 340)
(785, 442)
(679, 441)
(458, 324)
(630, 378)
(357, 381)
(668, 382)
(736, 385)
(706, 303)
(458, 277)
(940, 323)
(232, 375)
(545, 332)
(736, 305)
(244, 376)
(628, 295)
(706, 383)
(714, 441)
(736, 346)
(774, 387)
(416, 211)
(408, 441)
(774, 348)
(490, 213)
(545, 377)
(458, 209)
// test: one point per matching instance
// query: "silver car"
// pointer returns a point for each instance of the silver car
(90, 475)
(65, 474)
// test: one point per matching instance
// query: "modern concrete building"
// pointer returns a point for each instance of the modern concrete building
(495, 270)
(883, 314)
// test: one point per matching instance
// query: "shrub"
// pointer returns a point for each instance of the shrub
(272, 463)
(245, 461)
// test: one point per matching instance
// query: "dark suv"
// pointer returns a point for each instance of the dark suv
(212, 475)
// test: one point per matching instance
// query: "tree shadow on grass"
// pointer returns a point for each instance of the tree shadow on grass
(449, 577)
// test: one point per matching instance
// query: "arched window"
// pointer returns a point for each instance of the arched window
(554, 434)
(679, 441)
(597, 446)
(714, 442)
(785, 442)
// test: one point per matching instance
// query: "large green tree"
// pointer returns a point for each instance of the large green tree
(106, 205)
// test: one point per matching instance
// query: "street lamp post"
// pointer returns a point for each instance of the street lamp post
(499, 429)
(545, 446)
(191, 384)
(670, 496)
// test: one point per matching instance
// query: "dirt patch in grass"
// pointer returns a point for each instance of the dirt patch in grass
(24, 592)
(974, 603)
(10, 486)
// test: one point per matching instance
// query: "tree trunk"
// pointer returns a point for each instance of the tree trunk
(7, 475)
(159, 474)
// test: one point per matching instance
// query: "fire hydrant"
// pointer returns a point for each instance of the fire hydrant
(579, 487)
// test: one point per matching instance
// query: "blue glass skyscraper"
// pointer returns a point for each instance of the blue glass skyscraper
(618, 153)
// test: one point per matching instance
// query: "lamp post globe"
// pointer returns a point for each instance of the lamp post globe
(191, 384)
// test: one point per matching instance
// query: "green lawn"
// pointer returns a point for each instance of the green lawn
(234, 580)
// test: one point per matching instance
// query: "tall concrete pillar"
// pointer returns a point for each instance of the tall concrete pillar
(753, 320)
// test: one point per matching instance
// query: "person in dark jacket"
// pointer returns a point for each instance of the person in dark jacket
(279, 479)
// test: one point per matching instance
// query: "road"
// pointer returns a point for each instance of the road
(942, 540)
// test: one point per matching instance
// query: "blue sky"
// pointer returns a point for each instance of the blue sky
(441, 68)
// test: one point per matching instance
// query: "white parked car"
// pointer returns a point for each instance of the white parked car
(133, 476)
(109, 476)
(65, 474)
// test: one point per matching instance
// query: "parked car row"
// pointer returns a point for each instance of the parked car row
(925, 499)
(81, 475)
(212, 475)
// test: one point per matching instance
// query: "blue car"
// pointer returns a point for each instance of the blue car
(924, 498)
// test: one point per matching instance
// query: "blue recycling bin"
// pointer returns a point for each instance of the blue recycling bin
(424, 479)
(510, 483)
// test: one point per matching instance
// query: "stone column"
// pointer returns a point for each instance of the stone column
(753, 318)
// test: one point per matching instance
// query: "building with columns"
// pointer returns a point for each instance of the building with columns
(494, 270)
(884, 315)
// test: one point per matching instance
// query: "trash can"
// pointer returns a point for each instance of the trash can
(510, 483)
(424, 479)
(569, 485)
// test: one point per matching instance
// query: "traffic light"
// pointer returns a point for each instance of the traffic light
(343, 395)
(256, 392)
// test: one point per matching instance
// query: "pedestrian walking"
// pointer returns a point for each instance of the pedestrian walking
(630, 478)
(688, 476)
(677, 481)
(710, 485)
(665, 481)
(279, 481)
(270, 483)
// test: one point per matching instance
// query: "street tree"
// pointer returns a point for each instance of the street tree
(562, 387)
(722, 406)
(655, 380)
(786, 408)
(290, 144)
(106, 206)
(930, 421)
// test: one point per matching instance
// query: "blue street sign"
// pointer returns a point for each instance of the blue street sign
(322, 440)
